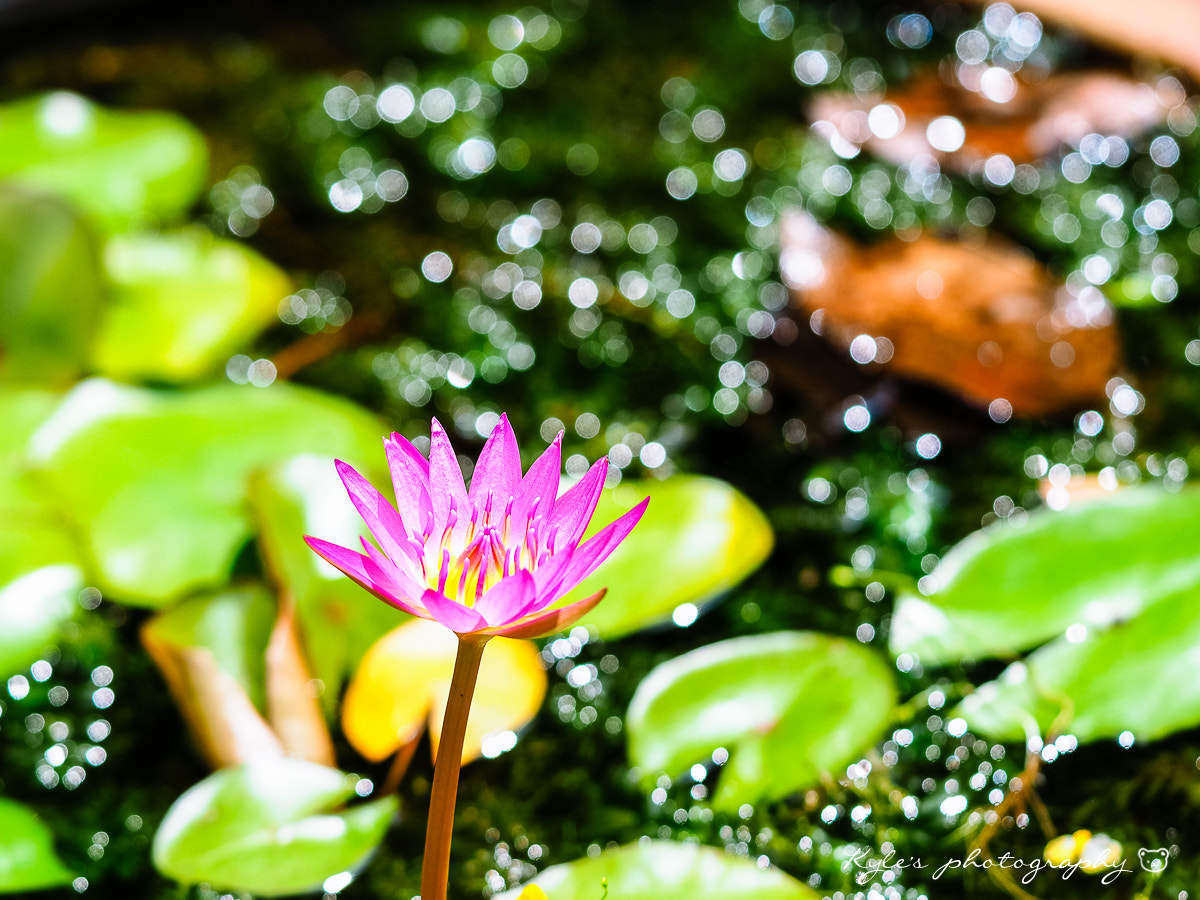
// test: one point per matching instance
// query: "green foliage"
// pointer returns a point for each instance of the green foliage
(157, 482)
(788, 707)
(651, 870)
(50, 295)
(698, 538)
(271, 829)
(1134, 676)
(181, 303)
(27, 858)
(122, 168)
(1097, 564)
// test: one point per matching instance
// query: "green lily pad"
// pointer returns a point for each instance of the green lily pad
(120, 167)
(698, 538)
(270, 829)
(182, 302)
(338, 619)
(656, 869)
(1094, 563)
(158, 482)
(50, 294)
(40, 581)
(27, 858)
(22, 410)
(1137, 676)
(787, 707)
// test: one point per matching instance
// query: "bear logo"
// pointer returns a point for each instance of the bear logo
(1153, 860)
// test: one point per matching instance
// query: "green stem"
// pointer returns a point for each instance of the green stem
(435, 870)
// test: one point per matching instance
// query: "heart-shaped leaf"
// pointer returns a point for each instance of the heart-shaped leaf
(27, 858)
(50, 294)
(120, 167)
(157, 482)
(404, 680)
(787, 707)
(698, 538)
(182, 302)
(1094, 563)
(270, 829)
(338, 620)
(1136, 676)
(657, 869)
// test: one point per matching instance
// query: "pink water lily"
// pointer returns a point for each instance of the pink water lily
(492, 560)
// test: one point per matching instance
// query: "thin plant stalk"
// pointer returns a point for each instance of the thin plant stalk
(435, 868)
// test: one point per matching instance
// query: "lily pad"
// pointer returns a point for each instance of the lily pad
(269, 829)
(698, 538)
(404, 681)
(120, 167)
(182, 302)
(1095, 563)
(339, 621)
(40, 580)
(158, 482)
(27, 858)
(50, 294)
(787, 707)
(1137, 676)
(657, 869)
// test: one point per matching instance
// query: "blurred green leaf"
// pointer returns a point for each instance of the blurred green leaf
(339, 620)
(1137, 676)
(27, 858)
(182, 302)
(40, 581)
(50, 294)
(157, 482)
(787, 706)
(22, 410)
(658, 869)
(698, 538)
(269, 829)
(120, 167)
(1094, 563)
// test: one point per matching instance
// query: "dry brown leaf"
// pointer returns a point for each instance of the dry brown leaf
(221, 717)
(1037, 121)
(987, 322)
(292, 706)
(1166, 29)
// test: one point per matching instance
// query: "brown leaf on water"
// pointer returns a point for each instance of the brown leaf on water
(985, 321)
(221, 717)
(1036, 121)
(292, 705)
(1166, 29)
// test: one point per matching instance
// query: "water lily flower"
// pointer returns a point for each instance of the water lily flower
(492, 560)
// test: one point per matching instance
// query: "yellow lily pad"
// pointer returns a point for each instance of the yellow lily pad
(404, 679)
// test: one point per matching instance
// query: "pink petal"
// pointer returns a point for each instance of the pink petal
(382, 520)
(540, 484)
(446, 485)
(458, 618)
(507, 599)
(410, 478)
(354, 565)
(391, 577)
(550, 621)
(594, 551)
(498, 471)
(573, 510)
